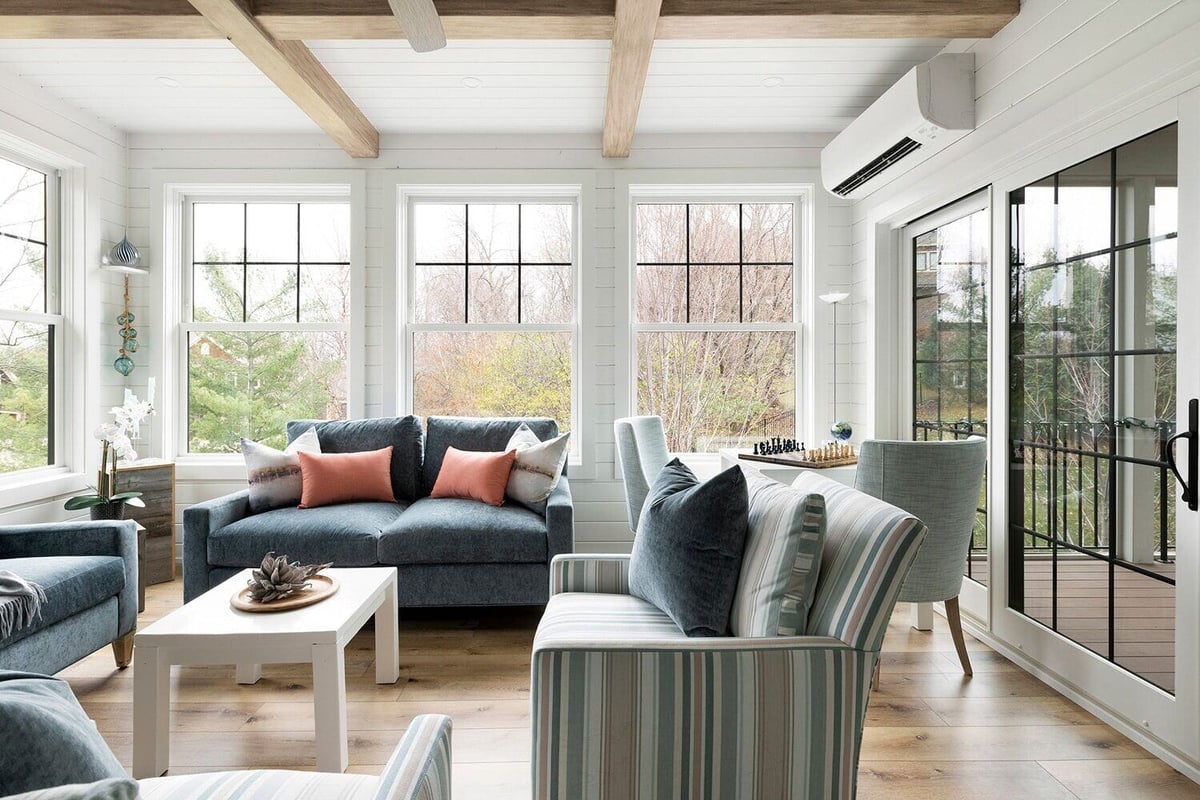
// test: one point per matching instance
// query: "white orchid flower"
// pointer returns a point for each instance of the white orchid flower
(106, 431)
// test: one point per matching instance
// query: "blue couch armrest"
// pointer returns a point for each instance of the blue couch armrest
(82, 538)
(198, 522)
(560, 520)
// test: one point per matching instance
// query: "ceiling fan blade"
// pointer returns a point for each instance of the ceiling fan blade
(421, 24)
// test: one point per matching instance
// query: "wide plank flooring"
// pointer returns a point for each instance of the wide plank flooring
(931, 733)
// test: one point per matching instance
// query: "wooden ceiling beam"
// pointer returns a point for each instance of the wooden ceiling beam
(296, 71)
(632, 44)
(518, 19)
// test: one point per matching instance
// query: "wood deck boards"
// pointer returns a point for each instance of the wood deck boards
(1143, 612)
(931, 733)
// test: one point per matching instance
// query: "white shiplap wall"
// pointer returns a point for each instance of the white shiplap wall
(423, 160)
(91, 155)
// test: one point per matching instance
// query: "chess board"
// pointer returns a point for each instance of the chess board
(794, 460)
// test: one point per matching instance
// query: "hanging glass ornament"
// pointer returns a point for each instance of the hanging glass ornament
(124, 364)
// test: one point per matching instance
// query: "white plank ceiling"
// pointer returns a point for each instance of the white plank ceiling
(474, 86)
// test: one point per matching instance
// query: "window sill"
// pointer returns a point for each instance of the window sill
(39, 486)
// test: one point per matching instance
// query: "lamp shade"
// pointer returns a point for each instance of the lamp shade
(833, 297)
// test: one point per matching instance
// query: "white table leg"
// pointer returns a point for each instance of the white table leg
(249, 673)
(151, 712)
(922, 616)
(329, 702)
(387, 637)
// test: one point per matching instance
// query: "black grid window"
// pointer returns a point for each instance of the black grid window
(267, 336)
(492, 322)
(714, 320)
(950, 346)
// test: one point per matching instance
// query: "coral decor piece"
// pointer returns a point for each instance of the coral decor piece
(278, 578)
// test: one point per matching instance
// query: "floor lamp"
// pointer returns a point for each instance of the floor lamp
(841, 431)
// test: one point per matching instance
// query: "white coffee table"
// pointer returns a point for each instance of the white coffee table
(208, 631)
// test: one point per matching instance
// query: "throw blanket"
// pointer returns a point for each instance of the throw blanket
(20, 602)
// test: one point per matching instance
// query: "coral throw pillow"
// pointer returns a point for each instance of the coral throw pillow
(474, 476)
(330, 478)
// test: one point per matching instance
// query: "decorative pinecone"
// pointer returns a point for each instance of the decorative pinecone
(278, 578)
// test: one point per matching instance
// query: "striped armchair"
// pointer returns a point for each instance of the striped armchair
(625, 706)
(419, 769)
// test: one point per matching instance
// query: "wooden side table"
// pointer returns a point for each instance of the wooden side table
(155, 479)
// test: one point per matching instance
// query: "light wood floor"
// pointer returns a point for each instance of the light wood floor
(930, 733)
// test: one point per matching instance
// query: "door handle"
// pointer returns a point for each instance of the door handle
(1168, 454)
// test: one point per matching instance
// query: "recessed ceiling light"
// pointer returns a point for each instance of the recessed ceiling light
(169, 82)
(471, 82)
(772, 81)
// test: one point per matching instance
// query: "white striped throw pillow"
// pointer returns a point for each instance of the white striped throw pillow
(781, 560)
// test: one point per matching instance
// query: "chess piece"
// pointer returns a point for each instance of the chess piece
(756, 449)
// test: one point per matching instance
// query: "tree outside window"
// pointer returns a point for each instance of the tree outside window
(715, 324)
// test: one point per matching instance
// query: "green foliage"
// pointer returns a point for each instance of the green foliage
(244, 383)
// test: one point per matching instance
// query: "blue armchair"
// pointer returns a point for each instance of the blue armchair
(89, 572)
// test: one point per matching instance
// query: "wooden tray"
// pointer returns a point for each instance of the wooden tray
(794, 460)
(323, 587)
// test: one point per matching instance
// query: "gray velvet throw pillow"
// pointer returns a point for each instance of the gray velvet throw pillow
(688, 553)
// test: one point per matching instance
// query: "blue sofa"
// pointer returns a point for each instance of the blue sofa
(449, 552)
(89, 572)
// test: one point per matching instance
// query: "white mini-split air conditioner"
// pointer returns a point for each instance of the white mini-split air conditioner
(927, 109)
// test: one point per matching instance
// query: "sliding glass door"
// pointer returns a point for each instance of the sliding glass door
(1093, 358)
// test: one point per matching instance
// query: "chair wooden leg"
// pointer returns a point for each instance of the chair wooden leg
(123, 650)
(875, 680)
(955, 622)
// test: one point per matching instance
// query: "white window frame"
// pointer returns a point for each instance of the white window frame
(409, 197)
(180, 199)
(55, 317)
(803, 289)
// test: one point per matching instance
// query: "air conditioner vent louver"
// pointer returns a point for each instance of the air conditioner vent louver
(877, 165)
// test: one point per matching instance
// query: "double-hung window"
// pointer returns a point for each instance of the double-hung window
(267, 323)
(715, 321)
(491, 321)
(30, 317)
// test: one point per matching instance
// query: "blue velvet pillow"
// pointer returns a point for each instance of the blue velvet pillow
(47, 738)
(688, 552)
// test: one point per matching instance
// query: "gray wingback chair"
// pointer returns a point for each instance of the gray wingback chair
(642, 453)
(937, 482)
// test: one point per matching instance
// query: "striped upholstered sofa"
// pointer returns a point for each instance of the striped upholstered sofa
(625, 706)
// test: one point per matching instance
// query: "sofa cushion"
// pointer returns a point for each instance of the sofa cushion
(72, 584)
(688, 552)
(329, 479)
(347, 535)
(403, 434)
(455, 531)
(780, 564)
(274, 475)
(577, 617)
(48, 739)
(475, 433)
